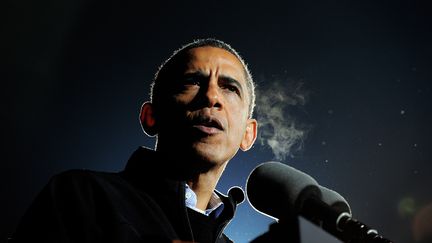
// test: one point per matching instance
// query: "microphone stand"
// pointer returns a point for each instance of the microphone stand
(285, 230)
(340, 224)
(355, 231)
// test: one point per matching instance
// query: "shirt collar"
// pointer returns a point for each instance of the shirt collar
(214, 206)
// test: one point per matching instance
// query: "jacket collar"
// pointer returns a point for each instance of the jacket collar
(154, 174)
(153, 171)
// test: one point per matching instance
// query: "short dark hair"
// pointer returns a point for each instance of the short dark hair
(167, 69)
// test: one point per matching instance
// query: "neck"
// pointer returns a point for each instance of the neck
(204, 184)
(201, 176)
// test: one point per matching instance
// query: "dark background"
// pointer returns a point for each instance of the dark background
(75, 73)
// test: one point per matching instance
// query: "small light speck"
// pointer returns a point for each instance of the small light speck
(415, 145)
(330, 112)
(406, 207)
(415, 172)
(402, 112)
(326, 161)
(323, 143)
(380, 144)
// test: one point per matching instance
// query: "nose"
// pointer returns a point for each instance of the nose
(212, 94)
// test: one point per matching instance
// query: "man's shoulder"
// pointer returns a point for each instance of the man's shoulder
(84, 180)
(83, 176)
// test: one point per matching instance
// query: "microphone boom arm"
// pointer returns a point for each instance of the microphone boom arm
(340, 224)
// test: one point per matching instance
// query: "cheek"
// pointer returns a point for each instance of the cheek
(232, 97)
(238, 127)
(238, 112)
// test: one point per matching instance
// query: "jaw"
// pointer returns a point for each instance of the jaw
(201, 155)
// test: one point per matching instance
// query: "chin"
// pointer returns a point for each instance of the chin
(211, 156)
(208, 157)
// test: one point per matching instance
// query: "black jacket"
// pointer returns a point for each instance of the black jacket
(143, 203)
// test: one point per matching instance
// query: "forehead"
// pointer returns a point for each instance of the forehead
(212, 59)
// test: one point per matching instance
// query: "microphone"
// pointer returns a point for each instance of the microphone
(282, 192)
(278, 190)
(237, 194)
(334, 200)
(337, 203)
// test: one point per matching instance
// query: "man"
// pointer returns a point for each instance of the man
(201, 108)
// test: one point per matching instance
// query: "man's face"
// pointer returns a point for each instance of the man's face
(208, 106)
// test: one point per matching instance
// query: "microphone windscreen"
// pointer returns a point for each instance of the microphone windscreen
(278, 190)
(334, 200)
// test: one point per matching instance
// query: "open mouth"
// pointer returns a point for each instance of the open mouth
(207, 125)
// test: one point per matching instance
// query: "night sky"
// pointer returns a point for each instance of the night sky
(355, 81)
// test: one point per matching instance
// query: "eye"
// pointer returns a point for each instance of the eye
(232, 88)
(192, 81)
(230, 85)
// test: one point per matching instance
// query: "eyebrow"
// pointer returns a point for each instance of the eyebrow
(200, 74)
(226, 78)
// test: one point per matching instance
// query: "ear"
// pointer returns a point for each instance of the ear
(250, 135)
(147, 118)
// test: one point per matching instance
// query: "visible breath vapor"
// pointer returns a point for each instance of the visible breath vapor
(278, 129)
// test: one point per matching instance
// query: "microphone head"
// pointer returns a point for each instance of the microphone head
(335, 200)
(278, 190)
